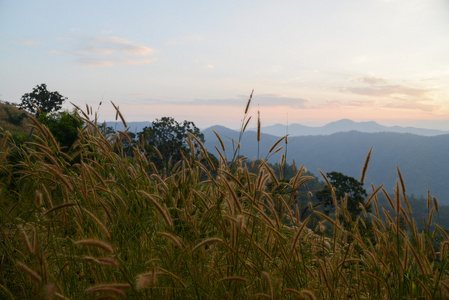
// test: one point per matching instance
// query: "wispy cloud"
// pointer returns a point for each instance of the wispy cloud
(280, 100)
(372, 80)
(343, 104)
(28, 42)
(267, 100)
(109, 51)
(388, 91)
(393, 96)
(412, 104)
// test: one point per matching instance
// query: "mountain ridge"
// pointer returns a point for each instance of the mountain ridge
(422, 160)
(344, 125)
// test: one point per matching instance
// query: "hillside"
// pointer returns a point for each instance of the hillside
(13, 119)
(422, 160)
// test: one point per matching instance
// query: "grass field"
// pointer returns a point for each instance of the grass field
(96, 224)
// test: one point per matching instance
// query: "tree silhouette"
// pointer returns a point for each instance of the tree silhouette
(167, 135)
(46, 101)
(344, 185)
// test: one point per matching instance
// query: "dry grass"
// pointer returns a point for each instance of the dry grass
(106, 225)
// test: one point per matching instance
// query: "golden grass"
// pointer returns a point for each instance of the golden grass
(107, 225)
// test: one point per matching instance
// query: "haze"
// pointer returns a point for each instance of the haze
(309, 62)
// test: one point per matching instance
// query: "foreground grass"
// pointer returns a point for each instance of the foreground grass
(108, 226)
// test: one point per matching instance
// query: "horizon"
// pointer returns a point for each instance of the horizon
(445, 129)
(310, 63)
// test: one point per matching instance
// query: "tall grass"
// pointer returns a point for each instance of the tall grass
(98, 224)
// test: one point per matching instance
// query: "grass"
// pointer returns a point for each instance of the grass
(99, 225)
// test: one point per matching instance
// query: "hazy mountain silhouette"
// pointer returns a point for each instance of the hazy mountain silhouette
(422, 160)
(344, 125)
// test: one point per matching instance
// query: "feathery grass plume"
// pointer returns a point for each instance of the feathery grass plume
(233, 278)
(158, 152)
(203, 149)
(443, 250)
(373, 195)
(293, 291)
(246, 124)
(270, 171)
(142, 282)
(277, 143)
(176, 240)
(234, 196)
(435, 202)
(267, 278)
(220, 140)
(105, 289)
(4, 155)
(249, 101)
(62, 177)
(29, 272)
(99, 223)
(105, 261)
(207, 241)
(163, 212)
(96, 243)
(26, 241)
(119, 114)
(388, 198)
(309, 294)
(5, 139)
(57, 207)
(300, 230)
(365, 165)
(125, 135)
(147, 279)
(79, 109)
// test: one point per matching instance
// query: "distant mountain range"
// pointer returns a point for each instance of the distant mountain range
(423, 160)
(279, 130)
(421, 154)
(344, 125)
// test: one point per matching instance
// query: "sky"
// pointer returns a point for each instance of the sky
(309, 62)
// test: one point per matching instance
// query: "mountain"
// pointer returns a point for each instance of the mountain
(135, 127)
(344, 125)
(422, 160)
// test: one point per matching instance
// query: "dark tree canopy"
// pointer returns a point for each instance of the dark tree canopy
(42, 98)
(64, 126)
(343, 185)
(167, 135)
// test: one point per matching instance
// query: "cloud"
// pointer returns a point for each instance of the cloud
(372, 80)
(411, 104)
(350, 103)
(388, 91)
(264, 100)
(29, 42)
(109, 51)
(280, 100)
(393, 96)
(210, 66)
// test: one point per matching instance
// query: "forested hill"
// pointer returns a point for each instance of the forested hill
(423, 161)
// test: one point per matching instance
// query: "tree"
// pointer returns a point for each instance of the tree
(168, 135)
(46, 101)
(64, 126)
(344, 185)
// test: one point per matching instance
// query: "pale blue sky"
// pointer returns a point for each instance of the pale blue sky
(315, 61)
